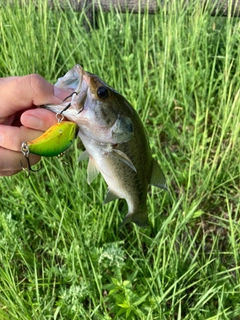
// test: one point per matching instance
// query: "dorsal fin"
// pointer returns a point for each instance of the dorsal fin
(157, 178)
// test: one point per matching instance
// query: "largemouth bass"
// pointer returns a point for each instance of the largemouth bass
(115, 141)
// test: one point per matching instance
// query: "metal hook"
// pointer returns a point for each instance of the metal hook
(69, 105)
(25, 151)
(64, 109)
(70, 95)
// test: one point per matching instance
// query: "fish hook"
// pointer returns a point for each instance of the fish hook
(64, 109)
(70, 96)
(69, 105)
(25, 151)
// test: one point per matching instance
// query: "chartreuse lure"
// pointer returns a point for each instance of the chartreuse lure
(53, 142)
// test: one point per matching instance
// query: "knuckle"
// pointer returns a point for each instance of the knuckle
(34, 82)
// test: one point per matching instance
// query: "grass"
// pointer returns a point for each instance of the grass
(61, 255)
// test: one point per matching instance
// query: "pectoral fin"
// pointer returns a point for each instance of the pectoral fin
(83, 156)
(123, 157)
(92, 170)
(157, 179)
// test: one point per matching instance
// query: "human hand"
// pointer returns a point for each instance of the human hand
(20, 120)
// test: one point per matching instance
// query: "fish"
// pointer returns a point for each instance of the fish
(115, 141)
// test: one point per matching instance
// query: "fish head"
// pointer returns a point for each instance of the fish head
(101, 113)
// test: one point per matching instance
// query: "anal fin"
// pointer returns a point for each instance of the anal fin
(110, 196)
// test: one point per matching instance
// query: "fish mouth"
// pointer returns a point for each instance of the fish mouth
(76, 80)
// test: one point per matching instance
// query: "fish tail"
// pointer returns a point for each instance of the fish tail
(140, 218)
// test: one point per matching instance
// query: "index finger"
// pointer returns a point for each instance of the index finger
(18, 93)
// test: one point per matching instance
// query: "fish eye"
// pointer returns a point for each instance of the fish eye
(102, 92)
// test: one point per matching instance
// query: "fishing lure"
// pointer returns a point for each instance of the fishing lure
(53, 142)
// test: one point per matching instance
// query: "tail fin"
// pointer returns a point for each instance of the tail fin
(140, 218)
